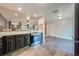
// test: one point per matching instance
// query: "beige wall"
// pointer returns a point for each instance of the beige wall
(61, 28)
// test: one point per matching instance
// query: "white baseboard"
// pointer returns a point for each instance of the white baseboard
(61, 37)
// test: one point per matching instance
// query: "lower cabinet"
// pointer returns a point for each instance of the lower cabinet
(27, 40)
(11, 43)
(1, 49)
(14, 42)
(19, 41)
(8, 44)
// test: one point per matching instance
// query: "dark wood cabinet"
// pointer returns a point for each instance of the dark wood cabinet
(14, 42)
(19, 43)
(8, 44)
(27, 40)
(1, 49)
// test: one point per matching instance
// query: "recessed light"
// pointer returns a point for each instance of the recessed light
(28, 17)
(59, 17)
(19, 9)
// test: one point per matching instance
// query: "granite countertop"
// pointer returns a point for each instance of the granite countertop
(15, 33)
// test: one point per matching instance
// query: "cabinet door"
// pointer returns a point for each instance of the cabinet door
(1, 50)
(19, 41)
(10, 45)
(27, 40)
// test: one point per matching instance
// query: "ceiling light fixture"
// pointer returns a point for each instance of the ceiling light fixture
(58, 14)
(28, 17)
(19, 9)
(59, 17)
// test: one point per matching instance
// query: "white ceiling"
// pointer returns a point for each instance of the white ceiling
(45, 9)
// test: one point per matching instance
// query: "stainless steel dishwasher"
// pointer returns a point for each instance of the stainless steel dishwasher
(36, 38)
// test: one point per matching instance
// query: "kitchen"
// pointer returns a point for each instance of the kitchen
(37, 28)
(13, 31)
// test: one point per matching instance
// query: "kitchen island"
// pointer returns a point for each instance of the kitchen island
(14, 40)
